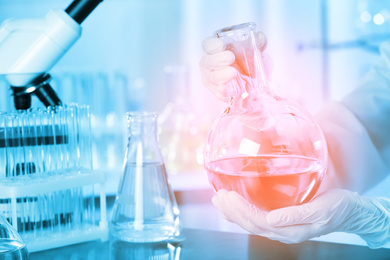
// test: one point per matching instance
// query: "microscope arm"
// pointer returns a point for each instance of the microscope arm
(31, 47)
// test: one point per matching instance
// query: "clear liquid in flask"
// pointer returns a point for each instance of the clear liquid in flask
(145, 209)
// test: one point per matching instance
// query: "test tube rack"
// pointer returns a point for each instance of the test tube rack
(47, 182)
(56, 208)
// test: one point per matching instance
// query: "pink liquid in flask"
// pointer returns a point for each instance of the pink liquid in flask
(268, 182)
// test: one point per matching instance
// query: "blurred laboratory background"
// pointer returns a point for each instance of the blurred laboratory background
(143, 55)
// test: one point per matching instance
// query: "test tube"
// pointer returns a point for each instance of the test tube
(41, 212)
(71, 122)
(84, 132)
(36, 138)
(3, 147)
(13, 144)
(28, 165)
(43, 134)
(53, 137)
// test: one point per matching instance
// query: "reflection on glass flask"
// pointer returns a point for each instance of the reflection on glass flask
(159, 250)
(180, 136)
(279, 183)
(145, 208)
(263, 146)
(11, 244)
(47, 181)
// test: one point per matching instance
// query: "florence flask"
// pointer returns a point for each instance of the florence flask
(265, 147)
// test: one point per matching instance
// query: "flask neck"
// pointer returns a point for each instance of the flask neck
(251, 77)
(143, 144)
(142, 124)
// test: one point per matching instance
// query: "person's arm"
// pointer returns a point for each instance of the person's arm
(357, 130)
(359, 159)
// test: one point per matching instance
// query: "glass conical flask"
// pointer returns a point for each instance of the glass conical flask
(11, 244)
(145, 208)
(263, 146)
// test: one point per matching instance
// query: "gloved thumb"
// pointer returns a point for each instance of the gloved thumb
(334, 205)
(212, 45)
(308, 213)
(286, 216)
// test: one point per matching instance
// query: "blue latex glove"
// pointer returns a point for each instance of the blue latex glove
(334, 210)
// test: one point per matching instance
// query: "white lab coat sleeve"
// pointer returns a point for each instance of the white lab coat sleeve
(357, 130)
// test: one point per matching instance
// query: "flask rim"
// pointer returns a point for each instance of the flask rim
(141, 114)
(234, 29)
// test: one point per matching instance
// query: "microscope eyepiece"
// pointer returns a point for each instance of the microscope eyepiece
(80, 9)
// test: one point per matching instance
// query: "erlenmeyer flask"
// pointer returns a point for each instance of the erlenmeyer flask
(11, 244)
(263, 146)
(145, 208)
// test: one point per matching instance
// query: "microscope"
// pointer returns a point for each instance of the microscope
(29, 48)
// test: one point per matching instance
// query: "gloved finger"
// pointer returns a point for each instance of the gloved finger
(295, 215)
(252, 219)
(218, 60)
(215, 81)
(247, 209)
(229, 209)
(300, 233)
(261, 40)
(245, 223)
(215, 200)
(333, 205)
(221, 76)
(329, 212)
(221, 202)
(246, 215)
(237, 210)
(222, 92)
(213, 45)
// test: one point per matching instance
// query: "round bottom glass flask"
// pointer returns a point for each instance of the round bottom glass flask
(145, 208)
(264, 147)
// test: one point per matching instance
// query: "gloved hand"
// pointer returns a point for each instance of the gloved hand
(215, 65)
(334, 210)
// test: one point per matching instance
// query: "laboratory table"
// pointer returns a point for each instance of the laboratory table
(205, 244)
